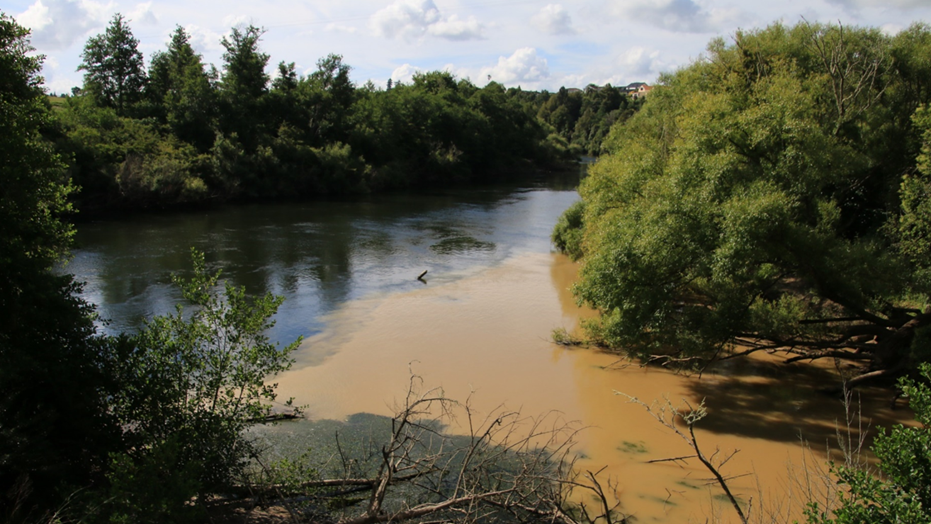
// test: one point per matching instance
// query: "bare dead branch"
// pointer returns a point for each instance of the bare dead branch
(673, 459)
(667, 414)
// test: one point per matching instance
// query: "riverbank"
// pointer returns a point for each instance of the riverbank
(564, 174)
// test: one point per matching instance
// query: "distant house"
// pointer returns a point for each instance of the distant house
(637, 89)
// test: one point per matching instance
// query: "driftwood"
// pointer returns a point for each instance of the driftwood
(276, 417)
(420, 276)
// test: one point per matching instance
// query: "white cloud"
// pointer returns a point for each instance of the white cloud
(35, 17)
(633, 64)
(405, 73)
(63, 84)
(57, 24)
(554, 20)
(524, 66)
(413, 19)
(203, 39)
(456, 29)
(573, 80)
(405, 19)
(235, 20)
(143, 14)
(891, 29)
(685, 16)
(639, 62)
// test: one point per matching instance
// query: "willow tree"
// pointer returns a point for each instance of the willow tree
(753, 203)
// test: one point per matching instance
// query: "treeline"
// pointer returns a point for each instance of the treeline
(581, 119)
(182, 132)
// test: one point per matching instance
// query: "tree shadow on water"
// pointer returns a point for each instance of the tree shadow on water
(788, 402)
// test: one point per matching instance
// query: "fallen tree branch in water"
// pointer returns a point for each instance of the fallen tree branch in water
(674, 459)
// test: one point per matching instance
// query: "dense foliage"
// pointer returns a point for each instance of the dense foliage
(581, 119)
(770, 195)
(184, 133)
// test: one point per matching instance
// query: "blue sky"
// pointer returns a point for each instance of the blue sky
(532, 44)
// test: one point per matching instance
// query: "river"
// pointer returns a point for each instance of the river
(479, 326)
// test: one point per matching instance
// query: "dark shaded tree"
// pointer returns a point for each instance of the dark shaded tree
(243, 86)
(181, 89)
(55, 430)
(335, 96)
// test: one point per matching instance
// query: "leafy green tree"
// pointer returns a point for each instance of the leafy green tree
(243, 86)
(115, 72)
(317, 107)
(567, 235)
(243, 160)
(179, 84)
(195, 380)
(287, 80)
(55, 429)
(561, 111)
(34, 190)
(601, 108)
(747, 206)
(331, 81)
(502, 132)
(901, 492)
(914, 225)
(244, 74)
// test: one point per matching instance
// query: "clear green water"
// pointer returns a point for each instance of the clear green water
(318, 255)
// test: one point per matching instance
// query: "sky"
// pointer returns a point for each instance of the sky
(536, 45)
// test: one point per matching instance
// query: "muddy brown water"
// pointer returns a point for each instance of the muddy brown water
(487, 337)
(479, 328)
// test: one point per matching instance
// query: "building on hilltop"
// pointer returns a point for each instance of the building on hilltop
(637, 89)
